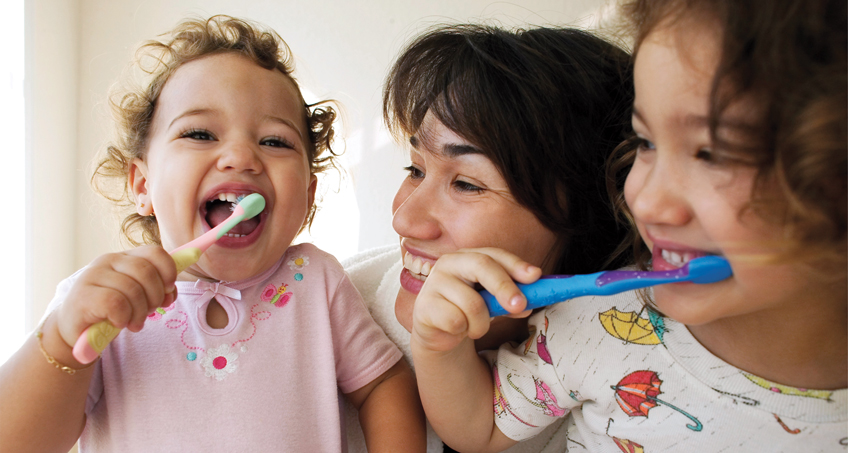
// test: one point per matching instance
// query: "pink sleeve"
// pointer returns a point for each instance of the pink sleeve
(363, 351)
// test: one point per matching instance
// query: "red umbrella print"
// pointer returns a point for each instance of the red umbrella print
(637, 392)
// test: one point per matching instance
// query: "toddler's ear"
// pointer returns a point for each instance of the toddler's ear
(313, 184)
(137, 180)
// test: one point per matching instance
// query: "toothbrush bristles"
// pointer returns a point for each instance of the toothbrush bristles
(233, 204)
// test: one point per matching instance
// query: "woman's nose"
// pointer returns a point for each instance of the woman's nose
(240, 155)
(656, 194)
(415, 212)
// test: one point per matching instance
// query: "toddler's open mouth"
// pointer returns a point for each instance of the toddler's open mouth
(220, 207)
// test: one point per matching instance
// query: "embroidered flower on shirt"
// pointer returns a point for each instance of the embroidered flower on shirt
(219, 362)
(299, 262)
(277, 296)
(159, 312)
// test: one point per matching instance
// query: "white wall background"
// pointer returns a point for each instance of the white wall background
(76, 49)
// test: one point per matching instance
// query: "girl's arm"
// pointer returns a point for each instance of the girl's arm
(43, 407)
(456, 385)
(390, 412)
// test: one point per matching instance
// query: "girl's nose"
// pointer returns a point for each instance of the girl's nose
(241, 156)
(415, 212)
(656, 194)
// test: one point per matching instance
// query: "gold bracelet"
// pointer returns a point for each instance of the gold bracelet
(52, 360)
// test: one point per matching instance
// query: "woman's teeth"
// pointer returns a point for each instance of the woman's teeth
(419, 268)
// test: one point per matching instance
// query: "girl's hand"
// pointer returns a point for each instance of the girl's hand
(449, 308)
(122, 288)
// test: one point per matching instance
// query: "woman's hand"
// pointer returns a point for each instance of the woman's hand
(122, 288)
(449, 308)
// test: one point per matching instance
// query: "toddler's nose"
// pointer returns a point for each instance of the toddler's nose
(240, 156)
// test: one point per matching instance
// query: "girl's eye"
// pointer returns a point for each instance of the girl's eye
(705, 155)
(464, 186)
(414, 172)
(198, 134)
(277, 142)
(644, 145)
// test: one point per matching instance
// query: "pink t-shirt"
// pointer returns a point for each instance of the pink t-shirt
(269, 381)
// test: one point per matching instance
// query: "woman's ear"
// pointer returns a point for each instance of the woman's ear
(138, 186)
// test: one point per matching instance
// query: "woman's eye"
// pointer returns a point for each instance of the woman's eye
(464, 186)
(276, 142)
(414, 172)
(198, 134)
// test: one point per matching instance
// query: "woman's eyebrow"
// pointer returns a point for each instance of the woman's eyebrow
(456, 150)
(449, 150)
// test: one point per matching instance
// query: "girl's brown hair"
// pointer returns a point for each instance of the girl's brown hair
(133, 106)
(545, 105)
(789, 58)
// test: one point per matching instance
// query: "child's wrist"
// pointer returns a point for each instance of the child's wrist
(55, 349)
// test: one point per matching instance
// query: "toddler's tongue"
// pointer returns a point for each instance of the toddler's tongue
(219, 211)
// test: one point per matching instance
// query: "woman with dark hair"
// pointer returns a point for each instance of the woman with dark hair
(508, 133)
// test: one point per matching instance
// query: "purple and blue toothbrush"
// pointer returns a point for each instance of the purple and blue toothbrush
(551, 289)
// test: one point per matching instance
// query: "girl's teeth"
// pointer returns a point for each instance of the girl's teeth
(677, 259)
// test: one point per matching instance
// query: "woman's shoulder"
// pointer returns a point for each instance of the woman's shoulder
(383, 256)
(367, 268)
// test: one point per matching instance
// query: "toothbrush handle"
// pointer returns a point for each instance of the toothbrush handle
(96, 337)
(551, 289)
(546, 291)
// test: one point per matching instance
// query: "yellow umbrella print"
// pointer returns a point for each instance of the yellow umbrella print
(629, 326)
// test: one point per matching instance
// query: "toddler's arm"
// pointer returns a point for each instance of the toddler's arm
(390, 412)
(43, 406)
(455, 383)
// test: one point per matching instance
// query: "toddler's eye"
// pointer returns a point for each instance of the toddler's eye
(276, 142)
(197, 134)
(414, 172)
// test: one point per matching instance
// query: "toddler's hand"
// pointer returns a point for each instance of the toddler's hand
(122, 288)
(449, 308)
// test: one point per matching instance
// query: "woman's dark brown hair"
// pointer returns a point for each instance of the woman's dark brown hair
(545, 105)
(787, 57)
(133, 107)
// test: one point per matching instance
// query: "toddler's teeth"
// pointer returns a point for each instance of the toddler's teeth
(425, 269)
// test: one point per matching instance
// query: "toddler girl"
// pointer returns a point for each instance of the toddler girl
(739, 151)
(248, 349)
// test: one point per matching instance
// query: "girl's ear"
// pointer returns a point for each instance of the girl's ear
(138, 186)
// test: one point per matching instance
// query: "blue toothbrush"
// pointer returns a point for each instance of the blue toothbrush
(551, 289)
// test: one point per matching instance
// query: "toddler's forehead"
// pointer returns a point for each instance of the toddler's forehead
(210, 78)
